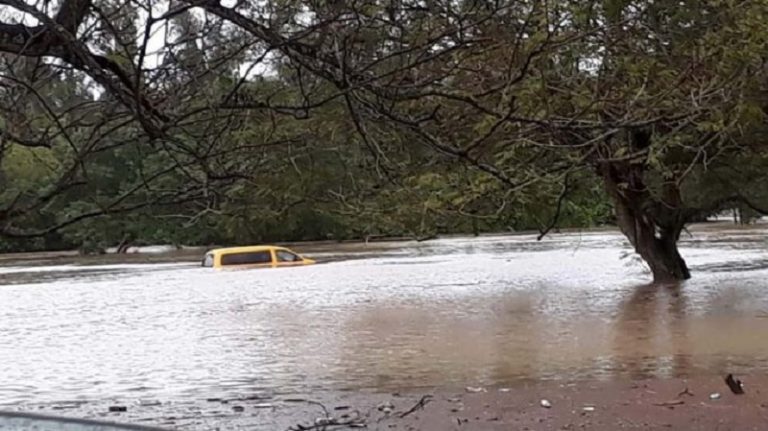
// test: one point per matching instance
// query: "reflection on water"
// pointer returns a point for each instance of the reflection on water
(651, 335)
(449, 312)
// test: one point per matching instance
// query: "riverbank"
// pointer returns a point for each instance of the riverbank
(679, 404)
(703, 402)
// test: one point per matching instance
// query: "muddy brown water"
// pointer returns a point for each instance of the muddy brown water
(453, 312)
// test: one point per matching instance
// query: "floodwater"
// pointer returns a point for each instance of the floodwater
(451, 312)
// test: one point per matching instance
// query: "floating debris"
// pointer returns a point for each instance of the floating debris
(734, 384)
(238, 409)
(588, 408)
(474, 390)
(670, 403)
(255, 398)
(714, 396)
(355, 415)
(115, 409)
(419, 405)
(504, 390)
(545, 403)
(65, 406)
(386, 408)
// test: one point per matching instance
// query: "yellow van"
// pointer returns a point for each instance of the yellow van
(262, 256)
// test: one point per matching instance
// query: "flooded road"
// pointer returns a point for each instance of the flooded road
(452, 312)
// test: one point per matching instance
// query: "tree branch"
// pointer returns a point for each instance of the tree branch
(558, 209)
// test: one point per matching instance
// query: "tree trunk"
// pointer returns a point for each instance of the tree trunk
(662, 256)
(655, 241)
(125, 243)
(658, 247)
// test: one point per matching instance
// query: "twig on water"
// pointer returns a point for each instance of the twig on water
(670, 403)
(419, 405)
(356, 421)
(329, 421)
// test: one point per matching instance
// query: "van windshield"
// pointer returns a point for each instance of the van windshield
(250, 258)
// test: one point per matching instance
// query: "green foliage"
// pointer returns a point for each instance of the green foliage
(445, 118)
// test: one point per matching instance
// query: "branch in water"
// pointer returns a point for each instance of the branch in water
(418, 406)
(558, 209)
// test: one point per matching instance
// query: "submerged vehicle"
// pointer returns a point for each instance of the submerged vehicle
(253, 257)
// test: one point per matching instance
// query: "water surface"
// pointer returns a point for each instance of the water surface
(479, 311)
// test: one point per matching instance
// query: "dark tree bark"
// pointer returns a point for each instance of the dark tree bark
(656, 245)
(652, 224)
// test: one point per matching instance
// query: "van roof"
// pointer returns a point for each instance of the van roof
(245, 249)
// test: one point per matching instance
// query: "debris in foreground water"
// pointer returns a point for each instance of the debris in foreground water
(670, 403)
(386, 408)
(734, 384)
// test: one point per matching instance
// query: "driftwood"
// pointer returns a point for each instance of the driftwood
(355, 420)
(330, 422)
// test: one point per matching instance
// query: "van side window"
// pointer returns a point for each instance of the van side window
(208, 260)
(286, 256)
(247, 258)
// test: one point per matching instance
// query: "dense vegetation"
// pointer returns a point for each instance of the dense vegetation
(205, 122)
